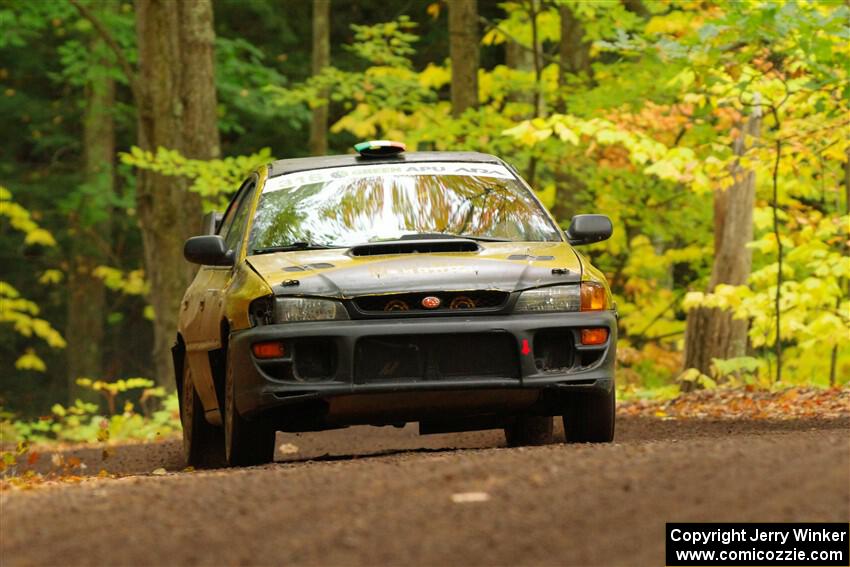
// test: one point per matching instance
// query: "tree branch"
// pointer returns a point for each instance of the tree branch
(491, 25)
(107, 37)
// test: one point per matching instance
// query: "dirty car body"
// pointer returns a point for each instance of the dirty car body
(428, 287)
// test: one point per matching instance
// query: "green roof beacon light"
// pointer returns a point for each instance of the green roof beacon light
(379, 148)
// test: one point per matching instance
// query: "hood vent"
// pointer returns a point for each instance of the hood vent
(414, 247)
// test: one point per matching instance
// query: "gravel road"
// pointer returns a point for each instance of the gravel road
(368, 496)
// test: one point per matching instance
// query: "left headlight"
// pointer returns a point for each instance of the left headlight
(288, 309)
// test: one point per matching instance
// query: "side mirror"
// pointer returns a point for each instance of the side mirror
(587, 229)
(208, 250)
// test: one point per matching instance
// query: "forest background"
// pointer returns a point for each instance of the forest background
(716, 135)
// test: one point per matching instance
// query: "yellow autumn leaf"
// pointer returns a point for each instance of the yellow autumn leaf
(50, 277)
(30, 361)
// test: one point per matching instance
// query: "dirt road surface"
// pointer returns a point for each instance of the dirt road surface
(368, 496)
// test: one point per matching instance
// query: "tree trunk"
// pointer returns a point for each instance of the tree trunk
(833, 361)
(463, 50)
(574, 50)
(177, 110)
(90, 227)
(321, 59)
(637, 7)
(713, 333)
(519, 58)
(574, 54)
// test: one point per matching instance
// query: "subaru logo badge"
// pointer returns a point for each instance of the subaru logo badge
(430, 302)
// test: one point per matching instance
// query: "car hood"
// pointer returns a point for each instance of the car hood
(503, 266)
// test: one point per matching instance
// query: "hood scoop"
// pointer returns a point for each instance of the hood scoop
(414, 247)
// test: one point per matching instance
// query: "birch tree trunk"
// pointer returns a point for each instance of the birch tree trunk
(464, 53)
(177, 110)
(321, 59)
(712, 333)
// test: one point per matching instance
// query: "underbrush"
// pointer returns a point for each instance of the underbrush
(653, 372)
(146, 413)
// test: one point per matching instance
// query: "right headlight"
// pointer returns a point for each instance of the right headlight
(587, 296)
(287, 309)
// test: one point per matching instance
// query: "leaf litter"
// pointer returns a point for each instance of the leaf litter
(746, 403)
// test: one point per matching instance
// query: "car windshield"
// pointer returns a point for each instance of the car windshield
(345, 206)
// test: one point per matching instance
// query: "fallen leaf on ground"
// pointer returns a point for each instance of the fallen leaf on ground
(467, 497)
(746, 403)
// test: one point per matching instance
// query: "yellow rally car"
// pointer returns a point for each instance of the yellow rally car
(388, 287)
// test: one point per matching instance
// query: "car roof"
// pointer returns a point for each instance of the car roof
(283, 166)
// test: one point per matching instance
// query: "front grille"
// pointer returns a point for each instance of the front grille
(449, 301)
(435, 357)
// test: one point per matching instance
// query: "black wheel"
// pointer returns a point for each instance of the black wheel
(529, 430)
(203, 443)
(590, 417)
(246, 442)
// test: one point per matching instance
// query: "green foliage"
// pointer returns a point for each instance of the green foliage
(83, 421)
(387, 44)
(214, 180)
(241, 75)
(389, 82)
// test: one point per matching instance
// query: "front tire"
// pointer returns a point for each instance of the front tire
(590, 417)
(246, 442)
(529, 430)
(203, 443)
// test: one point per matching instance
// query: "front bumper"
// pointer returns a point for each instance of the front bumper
(257, 389)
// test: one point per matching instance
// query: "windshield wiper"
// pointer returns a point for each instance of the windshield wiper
(441, 235)
(291, 247)
(481, 238)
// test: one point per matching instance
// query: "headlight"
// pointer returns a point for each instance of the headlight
(556, 298)
(287, 309)
(589, 296)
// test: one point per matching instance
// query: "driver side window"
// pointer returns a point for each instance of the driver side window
(226, 225)
(233, 225)
(227, 220)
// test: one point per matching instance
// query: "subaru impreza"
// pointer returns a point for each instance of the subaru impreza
(390, 287)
